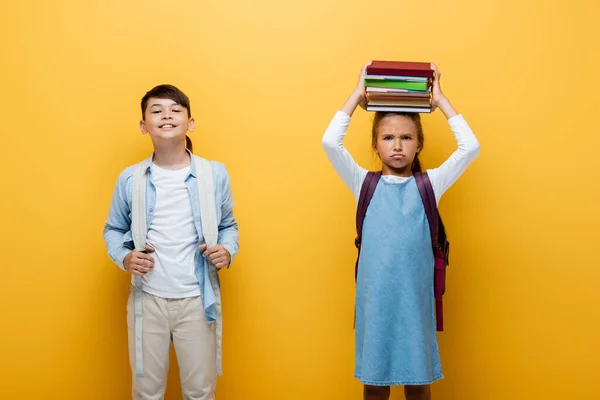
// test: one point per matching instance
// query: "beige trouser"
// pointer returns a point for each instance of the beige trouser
(183, 322)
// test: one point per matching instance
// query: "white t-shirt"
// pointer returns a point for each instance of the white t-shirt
(174, 237)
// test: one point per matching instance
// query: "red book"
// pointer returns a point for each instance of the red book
(400, 68)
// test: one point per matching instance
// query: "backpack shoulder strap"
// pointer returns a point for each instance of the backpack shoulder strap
(366, 193)
(138, 206)
(210, 231)
(438, 241)
(428, 197)
(206, 197)
(138, 232)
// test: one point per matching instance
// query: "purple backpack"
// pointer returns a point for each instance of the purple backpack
(441, 246)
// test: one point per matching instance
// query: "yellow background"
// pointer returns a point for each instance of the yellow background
(265, 78)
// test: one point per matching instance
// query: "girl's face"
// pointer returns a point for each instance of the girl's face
(397, 145)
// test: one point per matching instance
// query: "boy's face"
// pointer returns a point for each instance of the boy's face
(165, 121)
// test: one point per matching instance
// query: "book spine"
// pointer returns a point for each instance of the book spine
(399, 72)
(397, 84)
(399, 109)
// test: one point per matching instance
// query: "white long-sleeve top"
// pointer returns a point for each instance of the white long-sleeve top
(441, 178)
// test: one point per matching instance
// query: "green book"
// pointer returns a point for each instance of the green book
(396, 84)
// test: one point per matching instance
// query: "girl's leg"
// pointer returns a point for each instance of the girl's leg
(376, 392)
(417, 392)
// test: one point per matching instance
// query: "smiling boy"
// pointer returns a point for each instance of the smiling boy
(174, 296)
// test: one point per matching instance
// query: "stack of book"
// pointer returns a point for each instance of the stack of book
(399, 86)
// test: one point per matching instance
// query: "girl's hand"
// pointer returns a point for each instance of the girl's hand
(438, 100)
(436, 91)
(361, 90)
(359, 94)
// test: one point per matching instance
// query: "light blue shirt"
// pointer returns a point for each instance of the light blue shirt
(117, 230)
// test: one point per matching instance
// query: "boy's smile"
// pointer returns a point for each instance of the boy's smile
(165, 120)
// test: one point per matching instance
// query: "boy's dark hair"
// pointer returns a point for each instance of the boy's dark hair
(167, 92)
(172, 93)
(416, 120)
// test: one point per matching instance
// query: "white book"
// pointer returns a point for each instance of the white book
(397, 78)
(393, 90)
(399, 109)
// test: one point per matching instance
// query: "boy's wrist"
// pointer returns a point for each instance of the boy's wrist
(121, 256)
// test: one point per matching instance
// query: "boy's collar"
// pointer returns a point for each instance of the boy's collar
(148, 162)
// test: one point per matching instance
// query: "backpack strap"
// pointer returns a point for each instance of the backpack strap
(366, 193)
(138, 231)
(210, 231)
(428, 197)
(206, 197)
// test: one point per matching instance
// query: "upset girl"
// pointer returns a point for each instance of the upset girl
(396, 341)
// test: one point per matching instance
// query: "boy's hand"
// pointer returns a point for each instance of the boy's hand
(217, 254)
(138, 263)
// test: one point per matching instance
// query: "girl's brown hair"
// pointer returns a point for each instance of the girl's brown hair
(416, 120)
